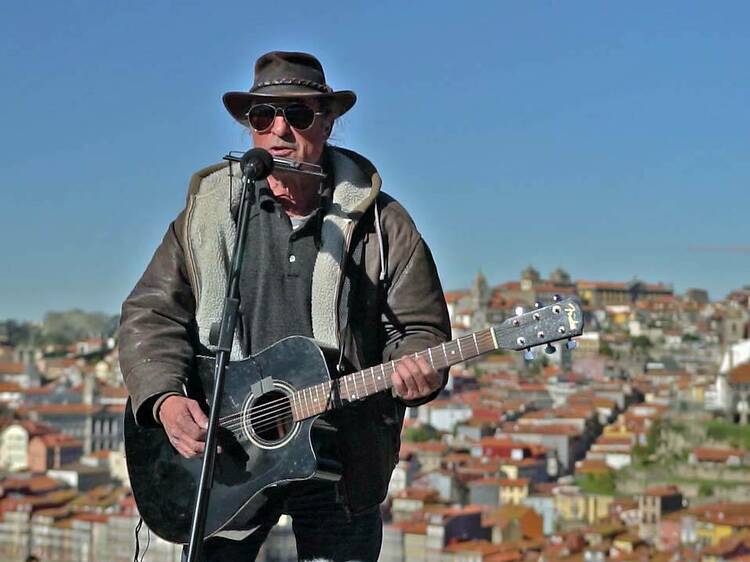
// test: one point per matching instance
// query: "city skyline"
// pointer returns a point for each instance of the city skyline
(677, 288)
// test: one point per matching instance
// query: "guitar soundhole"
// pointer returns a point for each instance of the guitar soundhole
(271, 417)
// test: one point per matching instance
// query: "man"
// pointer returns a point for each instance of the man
(337, 260)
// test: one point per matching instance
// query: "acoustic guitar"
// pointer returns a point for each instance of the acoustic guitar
(270, 433)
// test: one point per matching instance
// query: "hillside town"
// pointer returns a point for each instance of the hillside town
(634, 446)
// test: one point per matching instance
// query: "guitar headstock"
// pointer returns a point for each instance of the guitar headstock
(562, 320)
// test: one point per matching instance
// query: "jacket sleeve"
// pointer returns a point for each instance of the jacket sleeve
(157, 328)
(416, 315)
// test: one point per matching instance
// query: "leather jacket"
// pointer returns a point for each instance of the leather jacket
(395, 307)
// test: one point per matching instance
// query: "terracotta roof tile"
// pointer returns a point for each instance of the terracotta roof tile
(422, 494)
(77, 409)
(478, 546)
(592, 467)
(10, 387)
(414, 527)
(61, 362)
(92, 517)
(35, 428)
(453, 296)
(58, 440)
(707, 454)
(32, 485)
(614, 440)
(665, 490)
(12, 368)
(740, 374)
(40, 390)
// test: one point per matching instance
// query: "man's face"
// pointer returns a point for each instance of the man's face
(284, 141)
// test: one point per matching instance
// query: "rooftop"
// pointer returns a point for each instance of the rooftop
(740, 374)
(12, 368)
(79, 409)
(665, 490)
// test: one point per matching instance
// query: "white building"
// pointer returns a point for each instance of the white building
(14, 443)
(443, 415)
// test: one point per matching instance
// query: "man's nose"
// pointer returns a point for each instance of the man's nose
(280, 127)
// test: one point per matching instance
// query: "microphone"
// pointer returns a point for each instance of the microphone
(256, 164)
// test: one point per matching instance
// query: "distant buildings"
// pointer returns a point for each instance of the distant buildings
(599, 455)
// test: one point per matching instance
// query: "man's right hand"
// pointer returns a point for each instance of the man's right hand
(185, 424)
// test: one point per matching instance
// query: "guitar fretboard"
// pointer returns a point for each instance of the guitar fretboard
(319, 398)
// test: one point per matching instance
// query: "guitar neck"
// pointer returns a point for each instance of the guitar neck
(332, 394)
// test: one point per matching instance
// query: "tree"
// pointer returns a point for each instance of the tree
(644, 454)
(640, 343)
(601, 483)
(73, 325)
(420, 433)
(705, 490)
(18, 333)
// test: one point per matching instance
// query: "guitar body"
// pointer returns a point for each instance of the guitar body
(256, 454)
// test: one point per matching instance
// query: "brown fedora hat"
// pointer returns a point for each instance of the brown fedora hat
(281, 75)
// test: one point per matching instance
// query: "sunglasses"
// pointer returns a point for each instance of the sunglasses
(299, 116)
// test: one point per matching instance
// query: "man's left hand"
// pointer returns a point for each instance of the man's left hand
(414, 379)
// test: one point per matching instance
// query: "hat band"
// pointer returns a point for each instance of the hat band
(294, 82)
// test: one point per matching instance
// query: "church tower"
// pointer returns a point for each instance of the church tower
(480, 300)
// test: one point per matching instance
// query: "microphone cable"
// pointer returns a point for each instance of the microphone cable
(137, 542)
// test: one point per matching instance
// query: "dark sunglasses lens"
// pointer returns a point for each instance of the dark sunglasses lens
(261, 117)
(299, 116)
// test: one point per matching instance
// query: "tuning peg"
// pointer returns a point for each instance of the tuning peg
(537, 304)
(518, 310)
(556, 298)
(549, 349)
(528, 355)
(571, 344)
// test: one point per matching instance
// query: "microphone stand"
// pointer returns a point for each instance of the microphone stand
(223, 351)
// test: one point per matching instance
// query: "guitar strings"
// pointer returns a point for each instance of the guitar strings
(483, 338)
(274, 404)
(276, 415)
(278, 410)
(267, 424)
(263, 418)
(277, 406)
(334, 382)
(268, 414)
(331, 383)
(241, 436)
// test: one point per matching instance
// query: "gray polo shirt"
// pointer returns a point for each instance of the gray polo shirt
(276, 275)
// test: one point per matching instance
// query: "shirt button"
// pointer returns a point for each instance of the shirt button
(292, 259)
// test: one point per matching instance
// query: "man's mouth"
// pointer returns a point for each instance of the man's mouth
(281, 150)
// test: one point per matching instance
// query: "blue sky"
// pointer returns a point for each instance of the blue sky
(607, 138)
